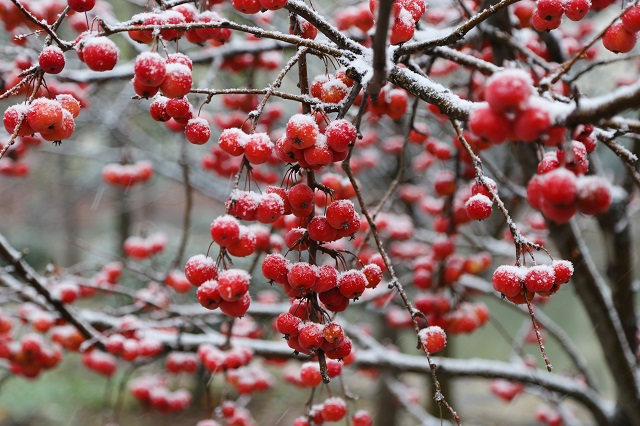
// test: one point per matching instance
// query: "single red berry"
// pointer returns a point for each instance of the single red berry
(631, 19)
(100, 53)
(334, 409)
(310, 374)
(559, 187)
(288, 324)
(487, 124)
(224, 230)
(150, 68)
(302, 275)
(507, 280)
(550, 10)
(340, 213)
(531, 124)
(340, 134)
(508, 91)
(327, 279)
(258, 148)
(578, 9)
(478, 207)
(618, 39)
(51, 60)
(199, 269)
(539, 278)
(300, 197)
(302, 130)
(233, 284)
(237, 308)
(208, 295)
(563, 270)
(197, 131)
(177, 81)
(433, 338)
(594, 195)
(352, 283)
(81, 5)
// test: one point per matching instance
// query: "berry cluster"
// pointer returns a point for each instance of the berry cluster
(621, 37)
(153, 391)
(53, 119)
(560, 189)
(229, 292)
(512, 112)
(102, 363)
(126, 175)
(141, 248)
(28, 356)
(519, 283)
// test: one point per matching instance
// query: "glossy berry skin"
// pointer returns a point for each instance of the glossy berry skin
(550, 10)
(81, 5)
(618, 39)
(478, 207)
(51, 60)
(559, 187)
(631, 19)
(577, 9)
(177, 81)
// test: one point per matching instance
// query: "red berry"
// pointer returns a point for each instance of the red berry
(302, 130)
(327, 279)
(199, 269)
(177, 81)
(45, 115)
(550, 10)
(340, 134)
(508, 91)
(352, 283)
(559, 187)
(320, 230)
(302, 275)
(489, 125)
(224, 230)
(99, 53)
(300, 197)
(150, 68)
(618, 39)
(233, 284)
(81, 5)
(563, 270)
(208, 295)
(531, 124)
(631, 19)
(237, 308)
(310, 374)
(433, 338)
(334, 409)
(340, 213)
(197, 131)
(479, 207)
(594, 195)
(258, 148)
(539, 278)
(578, 9)
(507, 280)
(51, 60)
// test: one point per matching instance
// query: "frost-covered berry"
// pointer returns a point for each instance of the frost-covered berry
(197, 131)
(539, 278)
(507, 280)
(433, 338)
(200, 268)
(51, 60)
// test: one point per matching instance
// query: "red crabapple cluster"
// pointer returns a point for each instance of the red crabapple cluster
(519, 283)
(512, 111)
(153, 391)
(127, 175)
(30, 355)
(52, 119)
(141, 248)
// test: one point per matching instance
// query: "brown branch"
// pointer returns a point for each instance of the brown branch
(26, 272)
(379, 61)
(64, 45)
